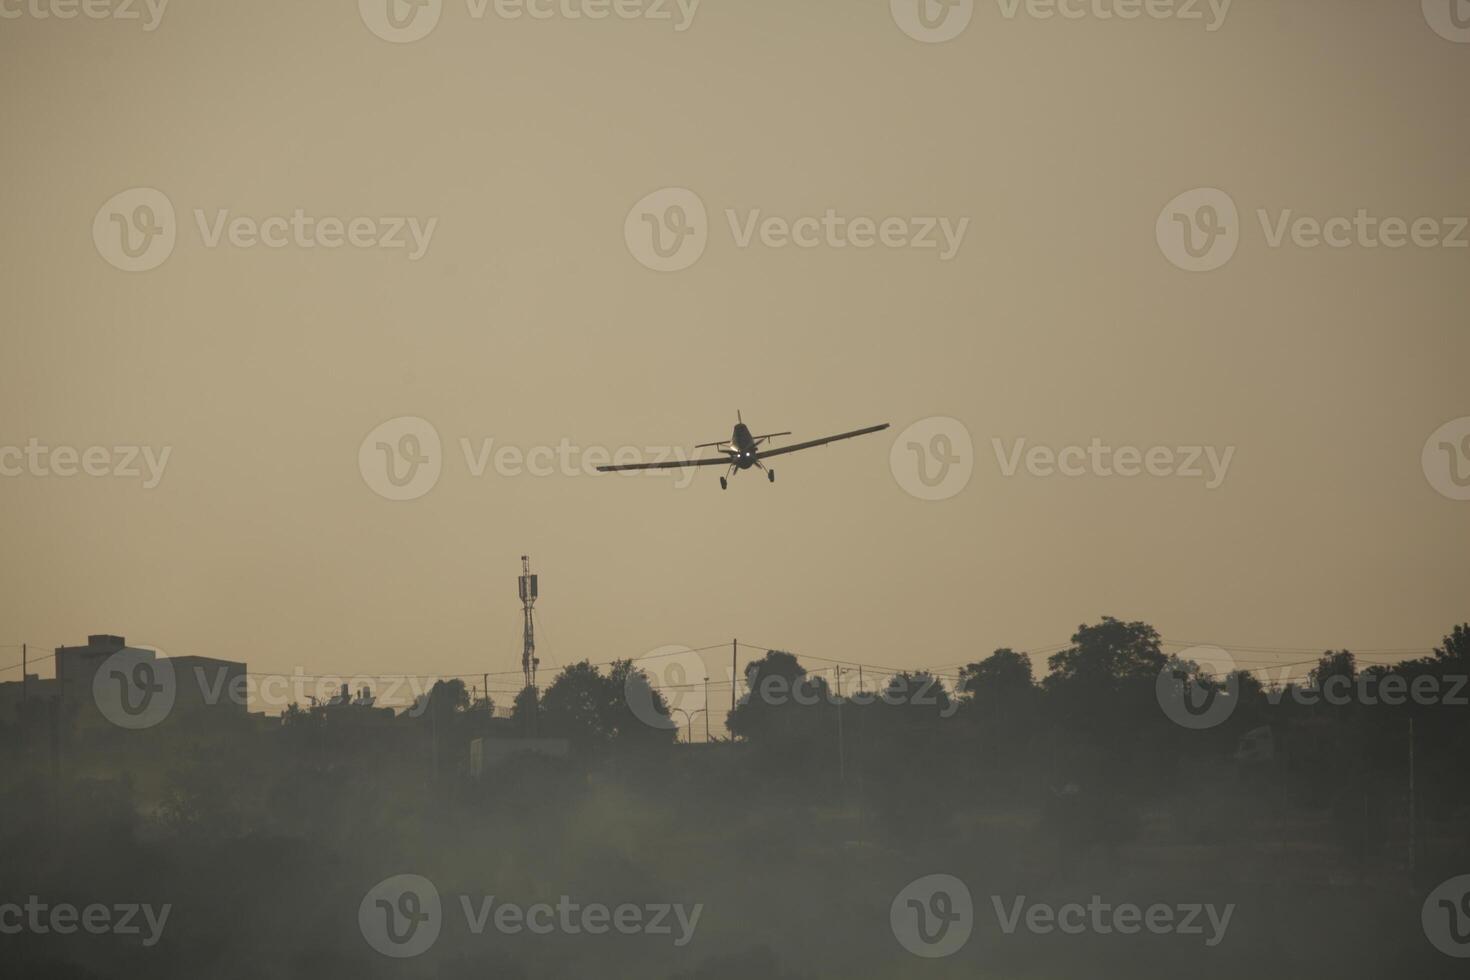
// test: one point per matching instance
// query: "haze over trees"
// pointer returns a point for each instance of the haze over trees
(1056, 778)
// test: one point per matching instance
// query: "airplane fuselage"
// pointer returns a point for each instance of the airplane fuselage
(741, 451)
(742, 447)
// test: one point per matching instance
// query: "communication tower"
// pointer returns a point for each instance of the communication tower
(528, 591)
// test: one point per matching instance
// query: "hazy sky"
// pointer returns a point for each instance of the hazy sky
(1060, 318)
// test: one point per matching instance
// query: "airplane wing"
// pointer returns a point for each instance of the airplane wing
(819, 442)
(668, 464)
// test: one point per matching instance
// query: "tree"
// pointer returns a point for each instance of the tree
(1104, 656)
(575, 705)
(591, 709)
(1340, 663)
(776, 685)
(627, 683)
(1455, 648)
(1000, 685)
(525, 711)
(1103, 689)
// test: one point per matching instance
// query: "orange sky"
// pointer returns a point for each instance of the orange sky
(524, 313)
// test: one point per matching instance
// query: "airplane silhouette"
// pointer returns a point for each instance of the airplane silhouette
(742, 451)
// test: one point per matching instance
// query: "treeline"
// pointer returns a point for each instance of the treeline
(1091, 742)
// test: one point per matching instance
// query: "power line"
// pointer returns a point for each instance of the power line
(32, 660)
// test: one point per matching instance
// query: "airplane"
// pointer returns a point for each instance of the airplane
(742, 451)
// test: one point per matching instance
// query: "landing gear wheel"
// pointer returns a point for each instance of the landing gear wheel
(724, 483)
(771, 475)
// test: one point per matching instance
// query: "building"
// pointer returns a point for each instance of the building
(204, 683)
(76, 668)
(192, 685)
(12, 693)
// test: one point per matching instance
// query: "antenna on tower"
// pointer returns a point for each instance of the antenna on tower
(528, 592)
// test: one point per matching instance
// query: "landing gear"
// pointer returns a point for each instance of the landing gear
(724, 483)
(771, 475)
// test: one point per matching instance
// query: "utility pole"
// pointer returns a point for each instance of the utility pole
(841, 752)
(706, 710)
(734, 670)
(1413, 837)
(528, 593)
